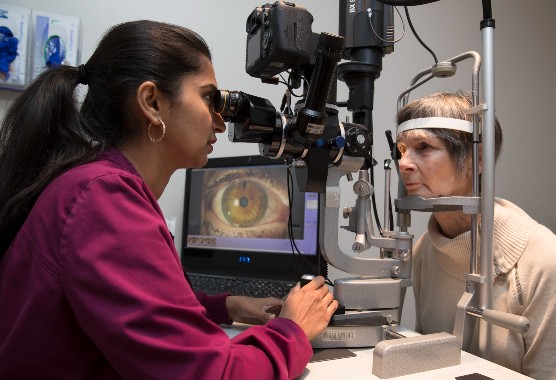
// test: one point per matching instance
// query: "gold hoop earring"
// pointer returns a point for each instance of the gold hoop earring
(163, 132)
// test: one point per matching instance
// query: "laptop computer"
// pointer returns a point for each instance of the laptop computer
(237, 225)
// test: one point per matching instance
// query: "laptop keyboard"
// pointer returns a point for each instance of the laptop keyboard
(240, 286)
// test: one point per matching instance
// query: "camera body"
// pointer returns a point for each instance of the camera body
(279, 38)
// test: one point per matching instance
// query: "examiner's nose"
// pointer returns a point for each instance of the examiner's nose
(218, 123)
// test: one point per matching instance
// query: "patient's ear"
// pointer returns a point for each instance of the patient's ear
(469, 163)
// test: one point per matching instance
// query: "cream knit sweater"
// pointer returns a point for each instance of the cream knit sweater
(524, 284)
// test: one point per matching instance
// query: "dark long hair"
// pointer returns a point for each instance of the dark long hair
(45, 132)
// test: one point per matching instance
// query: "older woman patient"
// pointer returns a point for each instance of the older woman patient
(435, 141)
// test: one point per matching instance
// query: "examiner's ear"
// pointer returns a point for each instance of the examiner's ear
(148, 97)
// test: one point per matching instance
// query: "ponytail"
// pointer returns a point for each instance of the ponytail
(41, 136)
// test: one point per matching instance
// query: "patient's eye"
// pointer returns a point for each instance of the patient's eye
(423, 146)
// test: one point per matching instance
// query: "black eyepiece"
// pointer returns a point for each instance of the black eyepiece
(227, 103)
(219, 100)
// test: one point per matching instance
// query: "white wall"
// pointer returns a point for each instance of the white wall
(524, 55)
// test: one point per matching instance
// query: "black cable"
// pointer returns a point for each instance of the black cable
(395, 155)
(373, 200)
(390, 212)
(295, 249)
(487, 10)
(417, 36)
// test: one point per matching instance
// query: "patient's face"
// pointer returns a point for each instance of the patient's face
(427, 169)
(246, 203)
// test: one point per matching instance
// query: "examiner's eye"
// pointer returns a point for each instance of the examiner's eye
(208, 98)
(241, 204)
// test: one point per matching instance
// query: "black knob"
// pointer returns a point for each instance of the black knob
(305, 279)
(357, 141)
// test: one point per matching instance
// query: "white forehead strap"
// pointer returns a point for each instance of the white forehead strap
(435, 122)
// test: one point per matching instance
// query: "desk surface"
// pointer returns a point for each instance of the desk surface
(361, 365)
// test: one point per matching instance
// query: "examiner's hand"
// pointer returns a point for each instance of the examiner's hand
(254, 311)
(310, 306)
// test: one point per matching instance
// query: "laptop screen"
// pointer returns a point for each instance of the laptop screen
(236, 214)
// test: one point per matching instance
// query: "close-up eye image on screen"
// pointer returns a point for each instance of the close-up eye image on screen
(236, 214)
(251, 202)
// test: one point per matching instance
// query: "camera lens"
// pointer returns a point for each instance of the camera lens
(227, 103)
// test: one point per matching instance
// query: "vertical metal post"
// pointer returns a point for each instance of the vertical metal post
(487, 185)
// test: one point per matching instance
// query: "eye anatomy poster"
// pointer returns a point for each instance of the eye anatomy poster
(14, 30)
(56, 40)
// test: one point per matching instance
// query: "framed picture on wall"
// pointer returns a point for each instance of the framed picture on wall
(14, 46)
(55, 40)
